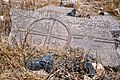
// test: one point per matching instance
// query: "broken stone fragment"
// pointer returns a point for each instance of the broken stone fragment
(72, 13)
(117, 68)
(103, 13)
(34, 65)
(45, 63)
(95, 69)
(90, 69)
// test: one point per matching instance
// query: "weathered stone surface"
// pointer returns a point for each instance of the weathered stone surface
(58, 9)
(50, 29)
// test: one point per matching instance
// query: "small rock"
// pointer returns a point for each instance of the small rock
(48, 60)
(34, 65)
(72, 13)
(117, 68)
(103, 13)
(46, 63)
(90, 69)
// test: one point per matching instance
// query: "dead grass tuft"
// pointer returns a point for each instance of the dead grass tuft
(12, 64)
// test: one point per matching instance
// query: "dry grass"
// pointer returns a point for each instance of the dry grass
(33, 4)
(109, 6)
(12, 64)
(5, 22)
(103, 5)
